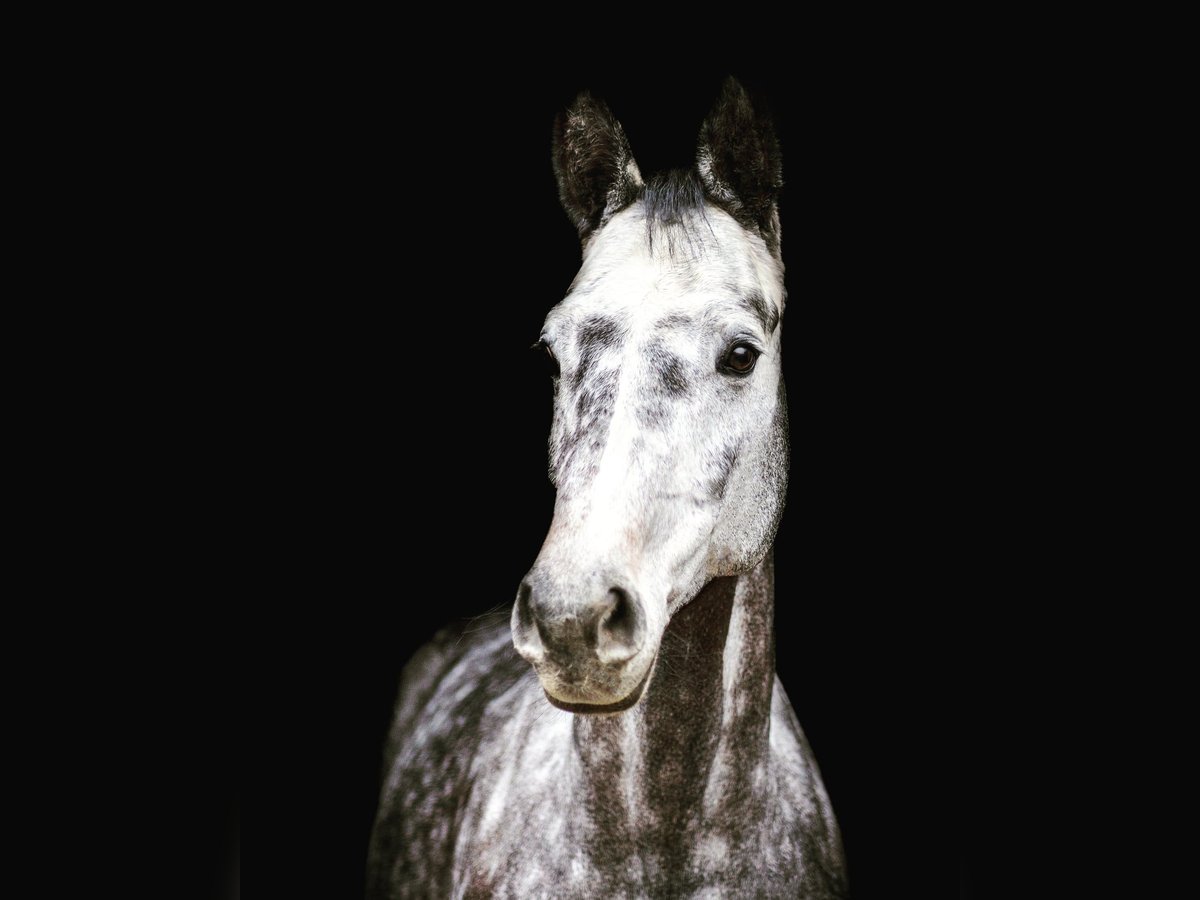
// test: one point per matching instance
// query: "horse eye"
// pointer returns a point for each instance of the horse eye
(548, 355)
(740, 359)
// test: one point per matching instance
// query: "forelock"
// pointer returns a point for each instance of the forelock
(674, 205)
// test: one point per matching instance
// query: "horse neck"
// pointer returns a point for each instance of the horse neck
(693, 749)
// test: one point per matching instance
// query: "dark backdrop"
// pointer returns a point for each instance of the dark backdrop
(418, 241)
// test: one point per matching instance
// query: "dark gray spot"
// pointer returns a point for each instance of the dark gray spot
(596, 335)
(596, 399)
(720, 479)
(756, 304)
(670, 369)
(654, 412)
(593, 414)
(600, 331)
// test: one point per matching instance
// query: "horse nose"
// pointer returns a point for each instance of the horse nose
(609, 628)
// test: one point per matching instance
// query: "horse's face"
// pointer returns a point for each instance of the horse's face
(669, 441)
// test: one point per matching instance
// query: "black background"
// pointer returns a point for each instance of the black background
(398, 421)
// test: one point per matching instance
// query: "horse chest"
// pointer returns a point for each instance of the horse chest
(558, 847)
(529, 829)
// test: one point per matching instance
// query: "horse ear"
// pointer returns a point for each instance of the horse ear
(596, 172)
(739, 160)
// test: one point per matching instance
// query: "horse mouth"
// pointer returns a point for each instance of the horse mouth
(597, 709)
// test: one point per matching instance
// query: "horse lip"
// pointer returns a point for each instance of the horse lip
(596, 709)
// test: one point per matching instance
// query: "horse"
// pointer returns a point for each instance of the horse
(623, 733)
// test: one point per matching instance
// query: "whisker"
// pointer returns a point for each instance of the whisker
(483, 621)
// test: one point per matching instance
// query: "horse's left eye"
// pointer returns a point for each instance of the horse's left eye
(740, 359)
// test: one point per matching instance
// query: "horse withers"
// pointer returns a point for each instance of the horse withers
(625, 734)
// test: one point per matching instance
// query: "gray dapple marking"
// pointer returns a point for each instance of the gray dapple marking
(654, 753)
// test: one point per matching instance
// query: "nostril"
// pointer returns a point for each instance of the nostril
(527, 637)
(618, 621)
(618, 632)
(524, 613)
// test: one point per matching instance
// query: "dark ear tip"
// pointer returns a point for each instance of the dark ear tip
(587, 105)
(583, 108)
(734, 100)
(731, 87)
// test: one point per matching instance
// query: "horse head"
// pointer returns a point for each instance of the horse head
(668, 447)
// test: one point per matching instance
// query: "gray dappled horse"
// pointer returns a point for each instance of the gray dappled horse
(655, 754)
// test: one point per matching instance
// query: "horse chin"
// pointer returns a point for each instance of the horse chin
(601, 709)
